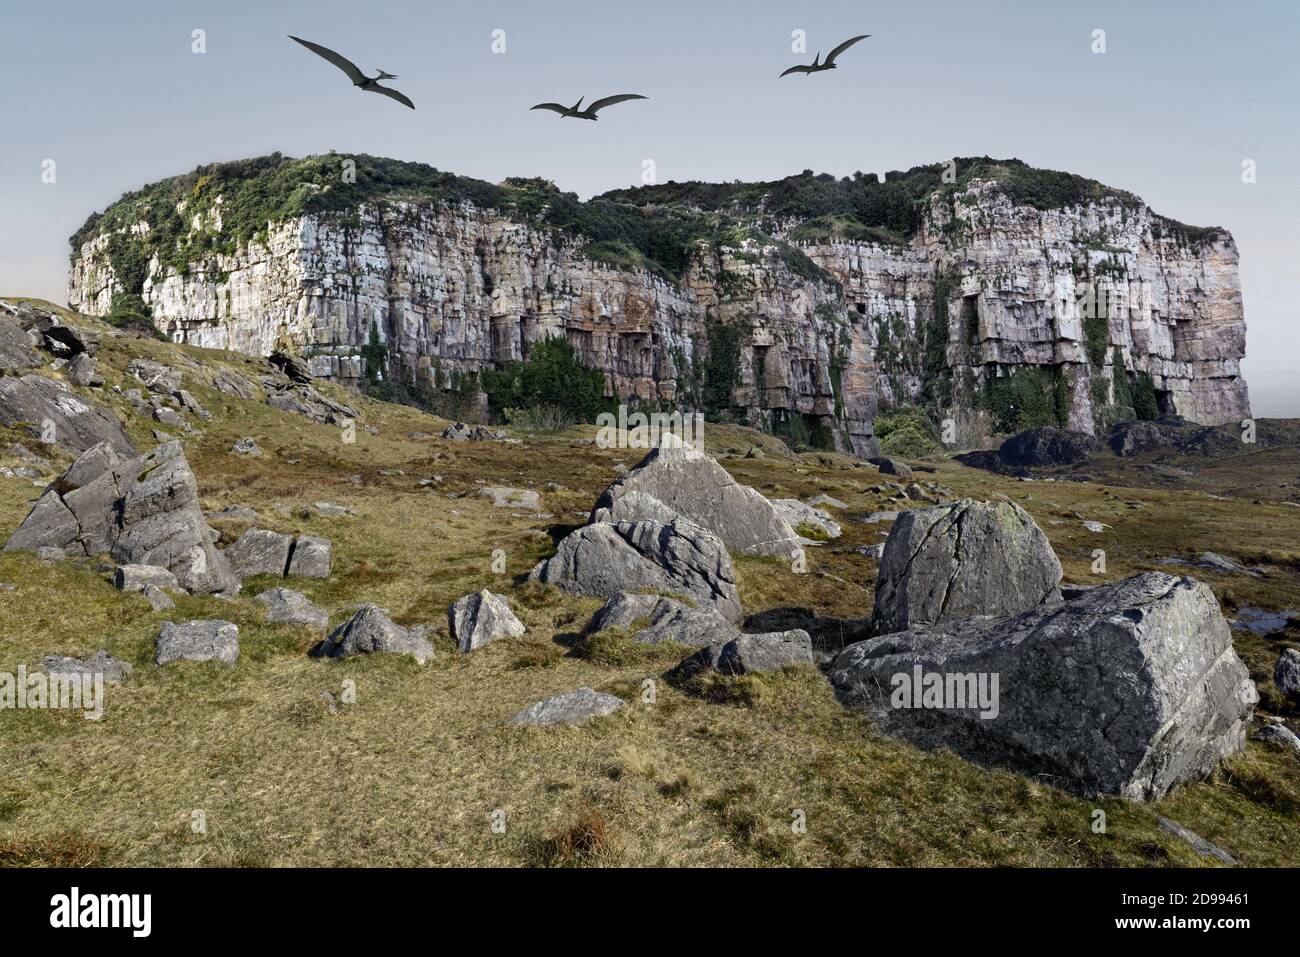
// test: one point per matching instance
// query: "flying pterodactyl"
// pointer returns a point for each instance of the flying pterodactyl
(590, 112)
(359, 79)
(817, 65)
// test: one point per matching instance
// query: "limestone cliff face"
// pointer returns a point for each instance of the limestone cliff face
(987, 302)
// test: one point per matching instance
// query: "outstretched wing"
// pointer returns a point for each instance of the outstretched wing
(550, 106)
(797, 69)
(340, 61)
(611, 100)
(389, 91)
(830, 57)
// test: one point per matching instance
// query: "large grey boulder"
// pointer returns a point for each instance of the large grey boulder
(674, 559)
(1127, 689)
(308, 402)
(370, 631)
(1286, 674)
(796, 513)
(142, 510)
(140, 577)
(677, 479)
(572, 707)
(662, 619)
(114, 670)
(311, 557)
(260, 551)
(288, 607)
(17, 346)
(1046, 446)
(967, 558)
(213, 640)
(53, 412)
(481, 617)
(770, 651)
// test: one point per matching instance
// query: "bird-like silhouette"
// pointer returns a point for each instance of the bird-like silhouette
(590, 112)
(817, 65)
(359, 79)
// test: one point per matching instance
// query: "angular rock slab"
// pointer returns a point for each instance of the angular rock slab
(311, 558)
(665, 620)
(370, 631)
(687, 482)
(140, 577)
(797, 513)
(288, 607)
(676, 559)
(572, 707)
(770, 651)
(1286, 673)
(114, 670)
(1128, 689)
(967, 558)
(259, 551)
(213, 640)
(76, 423)
(482, 617)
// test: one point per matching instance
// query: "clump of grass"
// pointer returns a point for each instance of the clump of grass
(616, 648)
(62, 849)
(588, 839)
(811, 531)
(536, 654)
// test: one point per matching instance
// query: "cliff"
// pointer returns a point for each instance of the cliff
(983, 291)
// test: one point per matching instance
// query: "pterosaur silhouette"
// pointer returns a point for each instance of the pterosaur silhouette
(359, 79)
(590, 112)
(817, 65)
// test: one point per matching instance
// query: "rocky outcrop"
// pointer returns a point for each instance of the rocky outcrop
(213, 640)
(676, 559)
(370, 631)
(1087, 296)
(141, 511)
(746, 653)
(288, 607)
(654, 618)
(681, 481)
(572, 707)
(968, 558)
(482, 617)
(1127, 689)
(54, 413)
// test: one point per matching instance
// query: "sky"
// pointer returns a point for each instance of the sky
(1184, 93)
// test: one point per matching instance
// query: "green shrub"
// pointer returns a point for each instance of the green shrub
(1023, 399)
(906, 432)
(546, 418)
(1144, 397)
(129, 311)
(552, 375)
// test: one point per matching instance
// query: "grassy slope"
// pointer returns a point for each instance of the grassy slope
(411, 772)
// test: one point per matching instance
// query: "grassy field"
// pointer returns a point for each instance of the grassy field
(416, 770)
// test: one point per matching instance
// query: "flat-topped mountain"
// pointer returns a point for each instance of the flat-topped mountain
(984, 291)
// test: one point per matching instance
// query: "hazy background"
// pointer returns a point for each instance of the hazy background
(1184, 93)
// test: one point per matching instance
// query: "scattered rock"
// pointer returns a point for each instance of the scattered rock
(330, 510)
(370, 631)
(692, 485)
(311, 558)
(234, 513)
(157, 378)
(84, 371)
(247, 446)
(481, 617)
(823, 499)
(460, 432)
(101, 662)
(512, 497)
(286, 606)
(679, 558)
(140, 577)
(213, 640)
(232, 383)
(1280, 735)
(307, 401)
(50, 410)
(796, 513)
(665, 619)
(1198, 843)
(968, 558)
(872, 551)
(260, 551)
(1128, 689)
(1286, 674)
(292, 366)
(572, 707)
(745, 653)
(158, 599)
(17, 346)
(1046, 446)
(896, 468)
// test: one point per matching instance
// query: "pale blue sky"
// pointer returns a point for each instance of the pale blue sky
(1186, 90)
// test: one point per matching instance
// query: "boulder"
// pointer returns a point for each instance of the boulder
(50, 410)
(895, 467)
(572, 707)
(675, 559)
(141, 511)
(1286, 674)
(247, 446)
(140, 577)
(158, 599)
(1279, 734)
(967, 558)
(84, 371)
(461, 432)
(770, 651)
(1046, 446)
(796, 513)
(311, 558)
(212, 640)
(662, 619)
(101, 662)
(260, 551)
(157, 377)
(1127, 689)
(306, 401)
(692, 485)
(286, 606)
(231, 383)
(17, 347)
(481, 617)
(370, 631)
(512, 497)
(294, 367)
